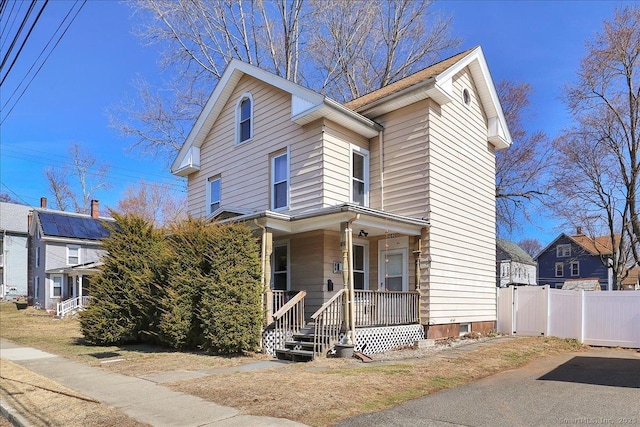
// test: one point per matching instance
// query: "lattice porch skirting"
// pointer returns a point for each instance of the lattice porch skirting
(368, 340)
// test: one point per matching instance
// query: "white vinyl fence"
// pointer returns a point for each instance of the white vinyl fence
(594, 318)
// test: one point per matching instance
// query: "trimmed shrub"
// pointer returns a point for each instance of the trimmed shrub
(124, 292)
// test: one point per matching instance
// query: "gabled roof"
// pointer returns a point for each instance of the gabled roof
(72, 226)
(515, 252)
(306, 106)
(600, 245)
(436, 82)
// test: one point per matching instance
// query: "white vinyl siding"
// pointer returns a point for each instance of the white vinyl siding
(245, 167)
(461, 210)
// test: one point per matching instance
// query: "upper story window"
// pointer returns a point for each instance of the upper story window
(575, 268)
(559, 269)
(213, 194)
(37, 257)
(563, 251)
(280, 181)
(244, 118)
(73, 255)
(359, 176)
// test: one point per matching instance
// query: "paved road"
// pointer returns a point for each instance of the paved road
(598, 387)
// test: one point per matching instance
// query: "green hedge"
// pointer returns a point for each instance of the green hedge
(196, 286)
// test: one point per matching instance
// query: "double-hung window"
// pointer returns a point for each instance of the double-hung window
(280, 181)
(575, 268)
(56, 286)
(73, 255)
(244, 118)
(359, 176)
(213, 194)
(559, 269)
(280, 266)
(563, 251)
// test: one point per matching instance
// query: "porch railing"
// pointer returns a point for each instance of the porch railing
(383, 308)
(280, 298)
(328, 323)
(288, 320)
(73, 304)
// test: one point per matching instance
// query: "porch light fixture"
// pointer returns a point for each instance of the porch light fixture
(363, 233)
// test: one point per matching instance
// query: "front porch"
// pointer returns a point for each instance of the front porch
(346, 274)
(71, 287)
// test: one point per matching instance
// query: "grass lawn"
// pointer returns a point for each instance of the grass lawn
(317, 393)
(36, 328)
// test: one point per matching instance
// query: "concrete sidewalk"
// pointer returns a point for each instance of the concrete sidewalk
(139, 398)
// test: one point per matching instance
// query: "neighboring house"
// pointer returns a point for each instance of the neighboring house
(391, 194)
(65, 252)
(632, 281)
(575, 257)
(514, 267)
(14, 251)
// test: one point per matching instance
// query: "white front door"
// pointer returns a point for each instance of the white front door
(394, 264)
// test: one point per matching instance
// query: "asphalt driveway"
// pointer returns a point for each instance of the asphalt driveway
(596, 387)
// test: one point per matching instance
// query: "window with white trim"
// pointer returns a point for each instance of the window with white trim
(280, 259)
(280, 181)
(244, 118)
(563, 251)
(37, 288)
(37, 257)
(575, 268)
(559, 269)
(359, 176)
(56, 286)
(73, 255)
(213, 194)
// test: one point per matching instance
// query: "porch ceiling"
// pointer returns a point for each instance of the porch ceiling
(373, 222)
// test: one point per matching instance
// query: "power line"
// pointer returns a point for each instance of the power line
(15, 58)
(45, 59)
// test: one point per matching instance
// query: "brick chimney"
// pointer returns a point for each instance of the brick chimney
(579, 231)
(43, 202)
(95, 209)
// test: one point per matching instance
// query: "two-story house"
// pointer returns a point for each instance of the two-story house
(514, 266)
(14, 252)
(384, 204)
(568, 258)
(65, 252)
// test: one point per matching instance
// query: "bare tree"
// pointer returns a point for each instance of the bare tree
(520, 170)
(602, 148)
(531, 246)
(156, 202)
(363, 46)
(90, 177)
(348, 48)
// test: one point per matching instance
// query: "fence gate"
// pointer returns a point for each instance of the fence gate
(528, 310)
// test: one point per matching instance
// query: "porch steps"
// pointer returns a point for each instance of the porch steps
(301, 348)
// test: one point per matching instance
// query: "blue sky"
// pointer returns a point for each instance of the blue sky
(92, 68)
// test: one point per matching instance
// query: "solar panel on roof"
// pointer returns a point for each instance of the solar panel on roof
(76, 227)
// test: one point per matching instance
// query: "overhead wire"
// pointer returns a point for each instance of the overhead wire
(17, 36)
(15, 58)
(44, 61)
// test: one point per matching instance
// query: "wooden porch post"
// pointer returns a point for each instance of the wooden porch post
(344, 246)
(424, 263)
(267, 244)
(80, 287)
(417, 256)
